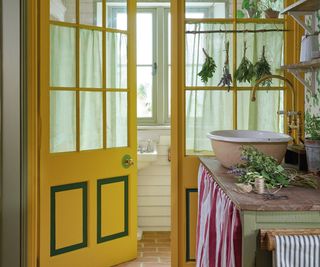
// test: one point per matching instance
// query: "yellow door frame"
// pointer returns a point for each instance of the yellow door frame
(184, 167)
(33, 132)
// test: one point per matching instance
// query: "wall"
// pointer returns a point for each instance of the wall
(312, 103)
(154, 190)
(10, 186)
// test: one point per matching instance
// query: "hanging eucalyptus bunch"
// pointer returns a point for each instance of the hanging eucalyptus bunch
(245, 71)
(208, 68)
(226, 79)
(262, 68)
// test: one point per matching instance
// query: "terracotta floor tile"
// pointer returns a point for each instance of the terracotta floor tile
(156, 254)
(164, 249)
(153, 251)
(147, 249)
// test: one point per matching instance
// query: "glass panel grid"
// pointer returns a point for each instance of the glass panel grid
(239, 91)
(87, 79)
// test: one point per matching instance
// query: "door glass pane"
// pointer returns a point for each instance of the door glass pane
(63, 10)
(208, 9)
(91, 120)
(117, 119)
(116, 15)
(62, 56)
(90, 59)
(215, 46)
(144, 92)
(144, 38)
(274, 48)
(62, 121)
(261, 114)
(117, 61)
(206, 111)
(90, 12)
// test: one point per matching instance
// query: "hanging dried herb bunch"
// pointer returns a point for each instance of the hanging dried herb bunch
(208, 68)
(245, 71)
(226, 79)
(262, 68)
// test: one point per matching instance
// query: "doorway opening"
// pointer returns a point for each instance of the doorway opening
(153, 69)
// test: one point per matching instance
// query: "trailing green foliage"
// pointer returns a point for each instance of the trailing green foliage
(251, 7)
(262, 68)
(312, 126)
(257, 164)
(208, 68)
(245, 71)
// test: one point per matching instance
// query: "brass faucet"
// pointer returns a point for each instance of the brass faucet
(293, 116)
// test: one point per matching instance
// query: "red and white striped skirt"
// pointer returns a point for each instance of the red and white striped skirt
(218, 227)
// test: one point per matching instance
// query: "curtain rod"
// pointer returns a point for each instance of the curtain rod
(240, 31)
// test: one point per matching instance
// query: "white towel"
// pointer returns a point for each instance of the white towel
(297, 251)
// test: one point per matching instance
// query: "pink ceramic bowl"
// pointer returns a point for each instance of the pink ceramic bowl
(226, 144)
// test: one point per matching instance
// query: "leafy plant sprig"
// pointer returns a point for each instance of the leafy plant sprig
(245, 71)
(208, 68)
(257, 165)
(312, 126)
(262, 68)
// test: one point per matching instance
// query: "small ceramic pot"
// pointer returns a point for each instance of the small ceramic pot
(313, 154)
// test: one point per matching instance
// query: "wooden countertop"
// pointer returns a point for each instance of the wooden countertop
(299, 198)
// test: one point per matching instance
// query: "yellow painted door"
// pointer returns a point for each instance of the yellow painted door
(88, 179)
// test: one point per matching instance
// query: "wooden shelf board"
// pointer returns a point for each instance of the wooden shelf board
(303, 5)
(315, 63)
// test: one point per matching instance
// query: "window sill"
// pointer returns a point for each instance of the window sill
(154, 127)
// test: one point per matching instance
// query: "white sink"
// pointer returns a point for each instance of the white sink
(146, 158)
(227, 144)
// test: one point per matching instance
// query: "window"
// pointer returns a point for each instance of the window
(153, 65)
(153, 61)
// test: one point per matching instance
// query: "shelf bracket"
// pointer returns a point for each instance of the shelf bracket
(297, 16)
(310, 86)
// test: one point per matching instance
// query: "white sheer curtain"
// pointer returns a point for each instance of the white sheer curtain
(63, 102)
(213, 110)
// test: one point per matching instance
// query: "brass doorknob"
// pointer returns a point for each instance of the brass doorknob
(127, 161)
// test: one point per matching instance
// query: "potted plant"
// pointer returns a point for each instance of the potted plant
(312, 142)
(268, 7)
(251, 7)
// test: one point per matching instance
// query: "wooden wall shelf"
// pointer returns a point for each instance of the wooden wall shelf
(303, 67)
(303, 6)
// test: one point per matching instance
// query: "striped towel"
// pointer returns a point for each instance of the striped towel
(297, 251)
(219, 225)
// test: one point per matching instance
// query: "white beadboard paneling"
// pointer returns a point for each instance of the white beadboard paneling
(162, 161)
(154, 180)
(160, 190)
(155, 170)
(162, 150)
(164, 140)
(154, 201)
(154, 211)
(154, 221)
